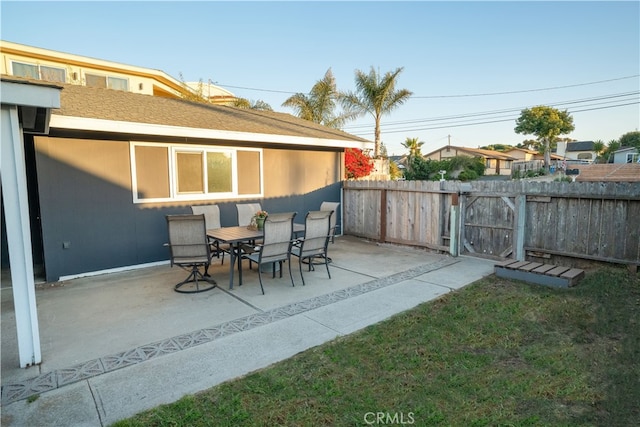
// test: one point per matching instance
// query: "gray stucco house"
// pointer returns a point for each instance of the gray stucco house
(114, 163)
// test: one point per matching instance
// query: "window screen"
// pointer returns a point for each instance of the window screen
(152, 172)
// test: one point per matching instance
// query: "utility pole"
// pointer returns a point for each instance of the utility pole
(449, 136)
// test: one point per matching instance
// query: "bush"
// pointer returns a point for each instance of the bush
(468, 175)
(426, 169)
(356, 163)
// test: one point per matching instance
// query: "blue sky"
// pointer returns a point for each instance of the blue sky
(459, 58)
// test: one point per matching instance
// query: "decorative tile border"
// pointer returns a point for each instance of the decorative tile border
(61, 377)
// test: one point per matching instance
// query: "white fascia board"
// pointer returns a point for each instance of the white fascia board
(29, 95)
(101, 125)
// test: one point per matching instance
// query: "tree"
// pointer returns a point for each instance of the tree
(413, 145)
(546, 123)
(598, 148)
(630, 139)
(356, 163)
(320, 104)
(258, 105)
(190, 94)
(376, 95)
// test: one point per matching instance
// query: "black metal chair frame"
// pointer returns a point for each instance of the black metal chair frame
(190, 255)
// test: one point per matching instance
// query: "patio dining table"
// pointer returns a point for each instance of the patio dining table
(238, 235)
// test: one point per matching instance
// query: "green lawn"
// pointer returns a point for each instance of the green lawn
(496, 353)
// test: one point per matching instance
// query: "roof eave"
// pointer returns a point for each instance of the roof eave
(101, 125)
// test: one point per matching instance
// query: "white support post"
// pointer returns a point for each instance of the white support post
(16, 205)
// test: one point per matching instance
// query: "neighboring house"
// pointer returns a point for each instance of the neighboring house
(58, 67)
(626, 155)
(528, 160)
(114, 163)
(580, 150)
(523, 154)
(496, 163)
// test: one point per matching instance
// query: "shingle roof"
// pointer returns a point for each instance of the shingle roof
(106, 104)
(580, 146)
(113, 105)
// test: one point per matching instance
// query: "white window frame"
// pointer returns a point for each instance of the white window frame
(107, 79)
(633, 157)
(172, 151)
(38, 67)
(203, 150)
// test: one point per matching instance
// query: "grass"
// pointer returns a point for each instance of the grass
(496, 353)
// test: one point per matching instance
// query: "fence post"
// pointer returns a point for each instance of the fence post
(383, 215)
(519, 227)
(454, 225)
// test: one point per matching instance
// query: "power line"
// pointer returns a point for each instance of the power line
(453, 96)
(476, 123)
(507, 110)
(528, 90)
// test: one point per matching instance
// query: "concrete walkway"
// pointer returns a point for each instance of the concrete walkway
(118, 344)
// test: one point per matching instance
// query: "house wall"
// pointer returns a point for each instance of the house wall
(587, 156)
(90, 223)
(140, 80)
(621, 156)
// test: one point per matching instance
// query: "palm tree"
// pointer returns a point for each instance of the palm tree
(598, 148)
(376, 95)
(413, 145)
(319, 105)
(259, 105)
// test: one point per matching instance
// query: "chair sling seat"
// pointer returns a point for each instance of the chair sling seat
(316, 238)
(276, 244)
(190, 250)
(212, 220)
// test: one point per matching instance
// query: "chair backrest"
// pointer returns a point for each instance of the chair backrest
(246, 211)
(317, 231)
(211, 215)
(278, 236)
(188, 239)
(331, 206)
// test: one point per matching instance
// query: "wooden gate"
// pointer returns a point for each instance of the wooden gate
(488, 225)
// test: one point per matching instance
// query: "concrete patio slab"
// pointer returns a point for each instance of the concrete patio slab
(116, 344)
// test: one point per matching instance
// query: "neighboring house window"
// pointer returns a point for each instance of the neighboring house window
(164, 172)
(633, 157)
(39, 72)
(116, 83)
(585, 156)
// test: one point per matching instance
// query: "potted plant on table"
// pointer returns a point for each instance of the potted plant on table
(259, 218)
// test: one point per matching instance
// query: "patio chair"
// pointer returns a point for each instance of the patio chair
(276, 246)
(315, 241)
(212, 220)
(190, 250)
(246, 211)
(331, 206)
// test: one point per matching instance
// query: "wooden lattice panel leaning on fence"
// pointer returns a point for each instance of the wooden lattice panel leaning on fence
(541, 274)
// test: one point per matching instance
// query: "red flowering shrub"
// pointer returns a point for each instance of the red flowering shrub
(356, 163)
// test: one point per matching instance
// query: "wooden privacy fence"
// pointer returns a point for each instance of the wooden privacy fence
(500, 219)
